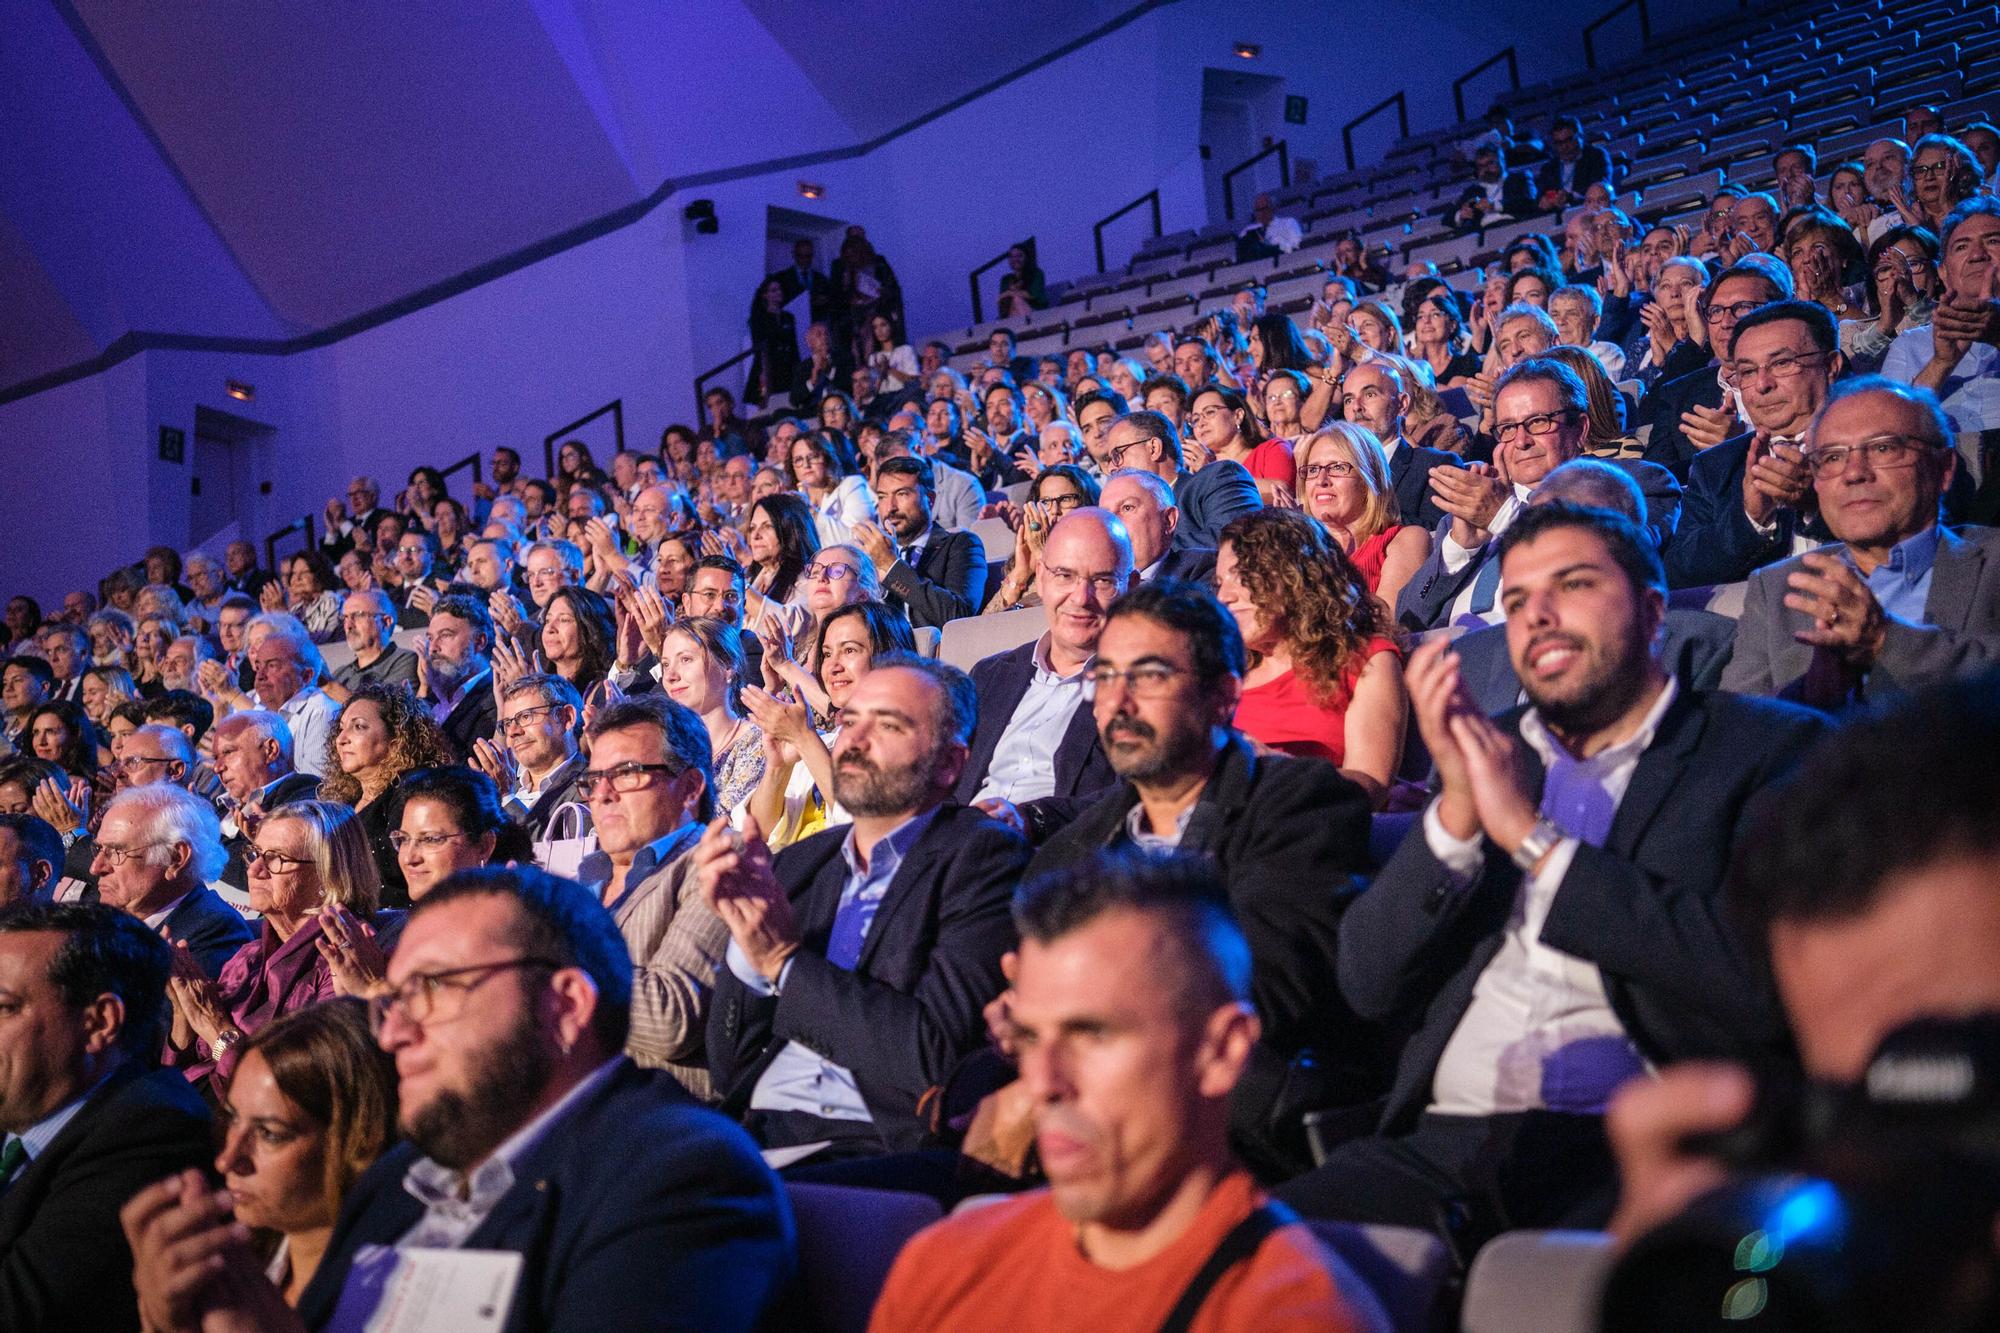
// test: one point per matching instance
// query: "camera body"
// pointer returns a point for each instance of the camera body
(1865, 1206)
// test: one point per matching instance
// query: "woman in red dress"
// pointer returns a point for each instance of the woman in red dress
(1343, 480)
(1326, 673)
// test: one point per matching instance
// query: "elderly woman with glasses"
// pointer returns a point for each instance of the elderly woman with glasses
(1053, 493)
(307, 857)
(836, 576)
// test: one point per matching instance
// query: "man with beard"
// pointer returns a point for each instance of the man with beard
(455, 673)
(1286, 836)
(932, 575)
(527, 1133)
(860, 959)
(1132, 1017)
(1555, 925)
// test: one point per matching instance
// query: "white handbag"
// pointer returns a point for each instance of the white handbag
(570, 839)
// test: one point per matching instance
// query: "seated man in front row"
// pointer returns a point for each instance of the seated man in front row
(1899, 601)
(1554, 926)
(1131, 1014)
(632, 1207)
(860, 959)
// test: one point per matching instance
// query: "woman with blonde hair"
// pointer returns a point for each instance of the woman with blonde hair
(1608, 437)
(306, 858)
(1344, 486)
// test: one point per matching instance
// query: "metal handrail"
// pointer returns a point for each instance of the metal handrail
(701, 380)
(1458, 84)
(304, 523)
(1282, 149)
(1097, 232)
(616, 407)
(1396, 100)
(472, 461)
(979, 306)
(1590, 29)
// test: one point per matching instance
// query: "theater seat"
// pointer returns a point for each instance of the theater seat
(927, 638)
(848, 1238)
(1408, 1271)
(972, 638)
(1536, 1282)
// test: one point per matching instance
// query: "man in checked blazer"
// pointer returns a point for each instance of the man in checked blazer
(1899, 600)
(860, 959)
(931, 574)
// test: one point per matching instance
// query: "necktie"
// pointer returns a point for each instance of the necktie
(910, 556)
(850, 928)
(12, 1157)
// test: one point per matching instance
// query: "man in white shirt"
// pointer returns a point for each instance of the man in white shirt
(1553, 928)
(1957, 355)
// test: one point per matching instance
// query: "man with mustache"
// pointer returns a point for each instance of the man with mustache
(860, 958)
(1554, 927)
(1286, 835)
(1132, 1017)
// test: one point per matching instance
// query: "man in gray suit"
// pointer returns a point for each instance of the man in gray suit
(1898, 601)
(1207, 499)
(1541, 421)
(1694, 644)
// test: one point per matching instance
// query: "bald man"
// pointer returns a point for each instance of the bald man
(1031, 698)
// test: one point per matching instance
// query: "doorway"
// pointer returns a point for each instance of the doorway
(225, 475)
(1240, 115)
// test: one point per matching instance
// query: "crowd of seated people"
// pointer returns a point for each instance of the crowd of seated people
(1349, 819)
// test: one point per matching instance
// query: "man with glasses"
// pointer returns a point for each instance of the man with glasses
(929, 574)
(1145, 505)
(526, 1134)
(157, 850)
(343, 516)
(1957, 355)
(1035, 758)
(1746, 499)
(1898, 601)
(1284, 834)
(416, 554)
(1693, 407)
(533, 757)
(651, 788)
(1207, 499)
(1541, 412)
(1373, 394)
(368, 622)
(859, 960)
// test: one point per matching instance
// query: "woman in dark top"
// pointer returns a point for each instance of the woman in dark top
(782, 541)
(774, 344)
(1022, 287)
(579, 637)
(1438, 339)
(382, 733)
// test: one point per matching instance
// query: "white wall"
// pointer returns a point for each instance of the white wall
(636, 313)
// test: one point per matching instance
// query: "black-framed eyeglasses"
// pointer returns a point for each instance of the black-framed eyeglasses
(421, 996)
(1925, 170)
(526, 718)
(276, 863)
(1329, 471)
(1735, 310)
(623, 778)
(1541, 423)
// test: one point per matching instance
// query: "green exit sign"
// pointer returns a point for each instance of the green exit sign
(173, 444)
(1295, 109)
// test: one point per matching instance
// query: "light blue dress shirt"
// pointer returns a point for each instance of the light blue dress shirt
(1902, 583)
(800, 1079)
(1023, 764)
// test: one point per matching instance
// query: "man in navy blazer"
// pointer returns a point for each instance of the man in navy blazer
(933, 575)
(158, 849)
(1573, 166)
(1694, 645)
(1207, 499)
(1899, 601)
(1373, 394)
(860, 960)
(528, 1132)
(1035, 758)
(1145, 505)
(1554, 926)
(88, 1013)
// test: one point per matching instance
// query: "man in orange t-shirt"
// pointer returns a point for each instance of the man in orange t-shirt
(1131, 1017)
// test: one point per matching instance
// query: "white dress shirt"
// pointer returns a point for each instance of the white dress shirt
(1455, 558)
(1023, 764)
(1540, 1033)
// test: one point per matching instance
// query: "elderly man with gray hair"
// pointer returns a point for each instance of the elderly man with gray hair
(158, 848)
(288, 671)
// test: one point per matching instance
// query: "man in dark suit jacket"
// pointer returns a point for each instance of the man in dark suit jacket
(802, 276)
(253, 757)
(1899, 601)
(458, 675)
(933, 575)
(632, 1208)
(1694, 646)
(1479, 206)
(170, 895)
(1573, 165)
(1287, 836)
(1373, 394)
(1572, 865)
(1035, 759)
(1207, 499)
(860, 960)
(93, 1126)
(1144, 503)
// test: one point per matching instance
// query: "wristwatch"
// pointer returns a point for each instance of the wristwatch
(1540, 840)
(224, 1042)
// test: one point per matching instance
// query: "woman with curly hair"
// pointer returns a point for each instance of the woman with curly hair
(1326, 675)
(579, 637)
(381, 734)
